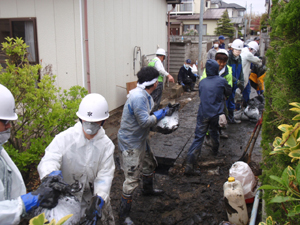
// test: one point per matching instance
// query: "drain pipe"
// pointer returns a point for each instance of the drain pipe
(169, 51)
(86, 41)
(254, 209)
(81, 43)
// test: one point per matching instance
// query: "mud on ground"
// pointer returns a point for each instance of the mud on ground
(194, 199)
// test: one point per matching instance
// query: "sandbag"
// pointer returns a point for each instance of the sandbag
(66, 205)
(252, 112)
(169, 123)
(243, 173)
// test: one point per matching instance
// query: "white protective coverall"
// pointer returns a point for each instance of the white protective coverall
(133, 138)
(89, 161)
(247, 59)
(11, 188)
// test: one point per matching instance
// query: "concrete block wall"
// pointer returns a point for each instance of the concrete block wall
(180, 51)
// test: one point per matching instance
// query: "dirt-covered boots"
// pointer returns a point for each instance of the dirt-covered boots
(148, 186)
(190, 171)
(125, 207)
(231, 117)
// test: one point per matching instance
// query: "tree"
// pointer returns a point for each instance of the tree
(282, 85)
(255, 23)
(263, 22)
(224, 26)
(43, 109)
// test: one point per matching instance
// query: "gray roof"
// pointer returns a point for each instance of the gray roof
(213, 14)
(210, 14)
(231, 5)
(236, 20)
(215, 1)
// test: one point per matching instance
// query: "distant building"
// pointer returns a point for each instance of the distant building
(186, 16)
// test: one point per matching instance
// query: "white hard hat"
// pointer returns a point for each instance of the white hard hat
(222, 51)
(93, 108)
(237, 44)
(160, 51)
(254, 45)
(7, 108)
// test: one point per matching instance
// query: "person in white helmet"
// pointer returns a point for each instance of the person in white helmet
(133, 140)
(235, 61)
(85, 153)
(157, 64)
(248, 58)
(14, 202)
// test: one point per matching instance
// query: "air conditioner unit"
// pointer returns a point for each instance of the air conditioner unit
(173, 1)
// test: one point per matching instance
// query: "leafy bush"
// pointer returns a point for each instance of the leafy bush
(43, 109)
(191, 32)
(40, 220)
(282, 87)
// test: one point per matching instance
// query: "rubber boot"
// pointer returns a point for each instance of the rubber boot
(190, 171)
(148, 186)
(193, 87)
(125, 207)
(231, 117)
(223, 135)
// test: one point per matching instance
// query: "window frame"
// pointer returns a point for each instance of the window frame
(25, 19)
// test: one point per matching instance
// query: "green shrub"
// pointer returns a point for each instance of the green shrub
(43, 109)
(282, 87)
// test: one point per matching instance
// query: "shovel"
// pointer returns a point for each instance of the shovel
(244, 157)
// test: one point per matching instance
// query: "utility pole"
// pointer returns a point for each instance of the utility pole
(245, 23)
(200, 34)
(250, 18)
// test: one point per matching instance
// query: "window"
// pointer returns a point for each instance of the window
(24, 28)
(241, 13)
(186, 6)
(204, 29)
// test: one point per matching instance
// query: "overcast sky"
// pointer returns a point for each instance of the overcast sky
(258, 6)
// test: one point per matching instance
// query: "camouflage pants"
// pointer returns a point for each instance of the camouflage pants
(133, 162)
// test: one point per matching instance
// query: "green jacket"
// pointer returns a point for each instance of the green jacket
(227, 75)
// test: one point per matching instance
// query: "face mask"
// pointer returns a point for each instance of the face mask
(253, 51)
(90, 127)
(186, 66)
(236, 52)
(216, 45)
(4, 136)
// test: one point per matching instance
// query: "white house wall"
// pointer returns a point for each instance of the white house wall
(114, 29)
(58, 34)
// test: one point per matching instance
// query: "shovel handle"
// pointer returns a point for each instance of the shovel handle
(253, 143)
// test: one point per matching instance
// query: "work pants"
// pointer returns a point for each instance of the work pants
(156, 95)
(246, 92)
(230, 101)
(200, 132)
(133, 162)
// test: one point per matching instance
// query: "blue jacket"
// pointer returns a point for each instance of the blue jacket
(222, 46)
(211, 91)
(237, 69)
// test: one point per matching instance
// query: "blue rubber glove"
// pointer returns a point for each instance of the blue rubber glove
(182, 84)
(94, 211)
(161, 113)
(196, 75)
(45, 196)
(56, 173)
(30, 201)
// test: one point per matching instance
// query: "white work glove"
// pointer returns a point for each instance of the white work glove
(222, 120)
